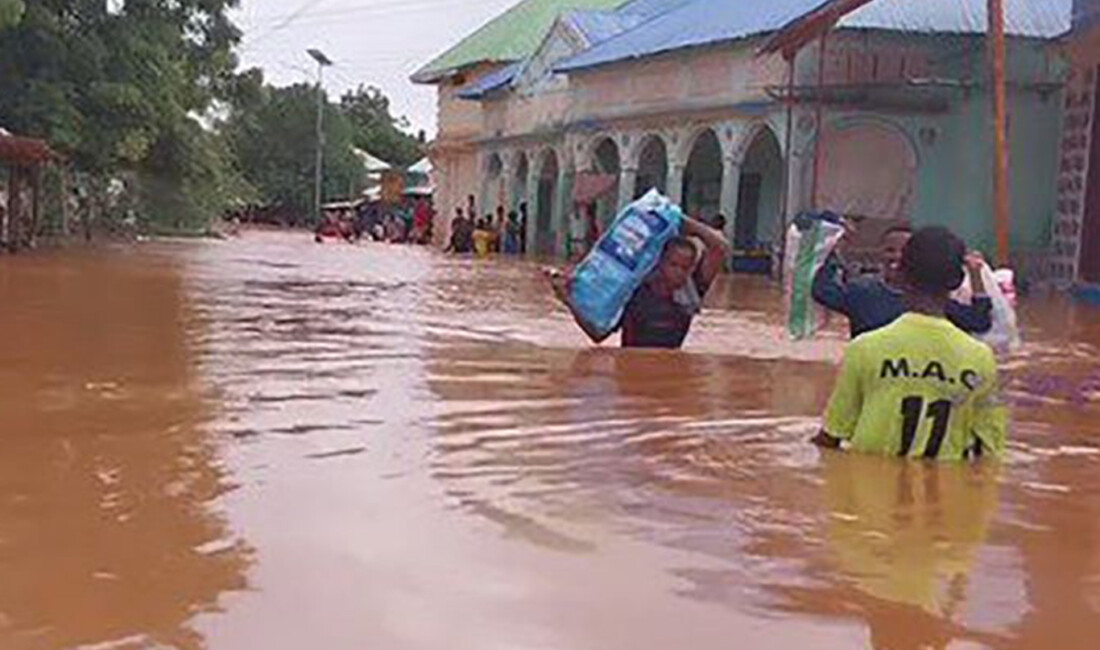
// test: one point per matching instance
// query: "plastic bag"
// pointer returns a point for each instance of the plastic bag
(810, 241)
(1000, 286)
(605, 281)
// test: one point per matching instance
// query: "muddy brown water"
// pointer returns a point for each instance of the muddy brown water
(266, 443)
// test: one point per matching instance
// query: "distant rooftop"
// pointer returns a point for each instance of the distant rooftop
(512, 36)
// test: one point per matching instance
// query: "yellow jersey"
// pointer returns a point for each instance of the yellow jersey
(919, 387)
(483, 243)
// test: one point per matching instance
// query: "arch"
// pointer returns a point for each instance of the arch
(549, 171)
(880, 187)
(605, 156)
(652, 166)
(606, 159)
(702, 184)
(760, 192)
(749, 135)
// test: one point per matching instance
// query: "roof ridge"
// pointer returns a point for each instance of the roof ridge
(524, 13)
(522, 4)
(657, 16)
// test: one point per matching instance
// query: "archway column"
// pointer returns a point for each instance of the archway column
(562, 212)
(676, 183)
(628, 180)
(731, 187)
(531, 226)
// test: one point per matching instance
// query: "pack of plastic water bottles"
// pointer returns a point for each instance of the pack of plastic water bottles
(629, 250)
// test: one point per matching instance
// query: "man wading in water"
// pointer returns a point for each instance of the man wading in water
(875, 301)
(919, 387)
(660, 313)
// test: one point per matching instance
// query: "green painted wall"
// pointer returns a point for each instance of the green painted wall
(954, 179)
(954, 185)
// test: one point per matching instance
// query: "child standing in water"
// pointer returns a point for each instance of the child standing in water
(483, 238)
(919, 387)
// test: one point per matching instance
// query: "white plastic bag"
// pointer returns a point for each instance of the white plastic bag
(1000, 286)
(810, 241)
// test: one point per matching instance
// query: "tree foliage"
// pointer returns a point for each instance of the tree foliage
(120, 94)
(10, 12)
(377, 130)
(272, 132)
(150, 93)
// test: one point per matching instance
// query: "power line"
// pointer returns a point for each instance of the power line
(289, 19)
(379, 7)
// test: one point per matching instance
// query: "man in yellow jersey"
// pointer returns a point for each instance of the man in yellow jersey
(919, 387)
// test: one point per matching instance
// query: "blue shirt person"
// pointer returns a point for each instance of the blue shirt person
(873, 302)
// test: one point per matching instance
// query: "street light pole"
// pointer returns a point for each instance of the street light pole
(322, 62)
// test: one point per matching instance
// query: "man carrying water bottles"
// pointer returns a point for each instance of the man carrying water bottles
(661, 311)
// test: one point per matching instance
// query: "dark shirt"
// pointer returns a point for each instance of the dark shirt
(869, 303)
(654, 321)
(462, 239)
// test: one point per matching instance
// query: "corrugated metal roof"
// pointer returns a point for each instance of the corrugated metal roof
(702, 22)
(596, 26)
(696, 23)
(599, 26)
(495, 80)
(511, 36)
(1028, 18)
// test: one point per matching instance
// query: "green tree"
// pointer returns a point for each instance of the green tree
(10, 12)
(377, 130)
(113, 92)
(272, 132)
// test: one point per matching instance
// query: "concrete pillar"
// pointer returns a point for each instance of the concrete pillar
(563, 211)
(628, 179)
(731, 186)
(532, 213)
(675, 184)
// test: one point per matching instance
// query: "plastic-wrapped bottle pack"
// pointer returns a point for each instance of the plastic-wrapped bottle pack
(607, 278)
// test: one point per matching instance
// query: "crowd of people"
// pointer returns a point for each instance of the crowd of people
(915, 381)
(408, 222)
(499, 233)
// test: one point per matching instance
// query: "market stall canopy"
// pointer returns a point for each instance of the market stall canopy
(371, 162)
(26, 152)
(422, 166)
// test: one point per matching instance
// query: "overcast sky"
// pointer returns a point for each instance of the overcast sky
(373, 42)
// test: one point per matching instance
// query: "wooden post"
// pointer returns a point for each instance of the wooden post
(1000, 123)
(36, 206)
(15, 208)
(785, 203)
(819, 120)
(65, 189)
(5, 212)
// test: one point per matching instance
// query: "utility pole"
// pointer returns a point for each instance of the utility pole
(322, 62)
(996, 37)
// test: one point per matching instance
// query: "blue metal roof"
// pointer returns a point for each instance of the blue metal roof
(599, 26)
(495, 80)
(703, 22)
(1027, 18)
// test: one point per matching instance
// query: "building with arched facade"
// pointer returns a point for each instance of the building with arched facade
(886, 119)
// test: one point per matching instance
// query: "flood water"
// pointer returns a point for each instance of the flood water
(266, 443)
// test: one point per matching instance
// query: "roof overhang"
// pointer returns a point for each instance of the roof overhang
(793, 36)
(432, 76)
